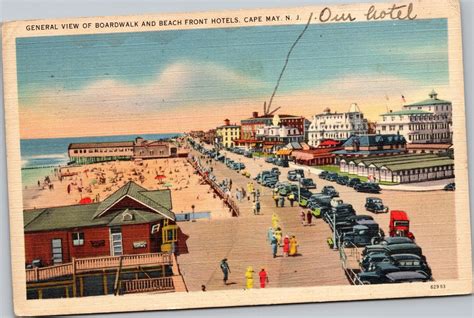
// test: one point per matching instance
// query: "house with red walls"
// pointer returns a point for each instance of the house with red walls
(132, 220)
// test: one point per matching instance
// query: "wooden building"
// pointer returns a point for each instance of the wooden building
(130, 221)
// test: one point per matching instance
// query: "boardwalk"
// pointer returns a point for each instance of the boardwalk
(243, 242)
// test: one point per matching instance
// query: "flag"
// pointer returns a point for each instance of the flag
(403, 98)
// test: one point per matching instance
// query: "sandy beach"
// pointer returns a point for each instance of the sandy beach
(97, 181)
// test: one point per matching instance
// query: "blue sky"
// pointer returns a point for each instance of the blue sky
(222, 65)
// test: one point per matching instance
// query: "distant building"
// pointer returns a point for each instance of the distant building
(92, 152)
(373, 145)
(250, 126)
(322, 155)
(339, 126)
(132, 220)
(275, 136)
(428, 121)
(227, 134)
(404, 168)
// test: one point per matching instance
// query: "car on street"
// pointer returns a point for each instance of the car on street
(405, 262)
(375, 205)
(396, 240)
(330, 191)
(307, 183)
(450, 187)
(353, 182)
(378, 274)
(275, 170)
(281, 163)
(360, 234)
(368, 187)
(406, 277)
(270, 159)
(342, 180)
(248, 154)
(407, 248)
(323, 174)
(332, 176)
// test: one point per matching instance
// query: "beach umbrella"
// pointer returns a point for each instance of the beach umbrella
(168, 185)
(160, 177)
(85, 200)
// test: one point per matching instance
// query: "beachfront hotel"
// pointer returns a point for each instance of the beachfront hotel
(227, 134)
(427, 121)
(92, 152)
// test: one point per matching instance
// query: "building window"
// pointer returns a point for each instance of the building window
(77, 238)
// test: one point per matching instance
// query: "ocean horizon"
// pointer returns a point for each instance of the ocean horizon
(39, 156)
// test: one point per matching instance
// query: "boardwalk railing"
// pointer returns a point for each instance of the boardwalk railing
(148, 285)
(234, 208)
(97, 263)
(350, 259)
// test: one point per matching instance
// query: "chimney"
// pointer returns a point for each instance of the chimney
(255, 114)
(226, 122)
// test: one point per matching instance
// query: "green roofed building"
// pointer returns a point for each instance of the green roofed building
(405, 168)
(425, 122)
(132, 220)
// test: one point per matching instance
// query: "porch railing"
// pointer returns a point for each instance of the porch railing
(148, 285)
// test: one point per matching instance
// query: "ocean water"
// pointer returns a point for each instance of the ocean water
(40, 156)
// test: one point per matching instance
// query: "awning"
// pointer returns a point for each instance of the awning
(267, 147)
(303, 156)
(283, 152)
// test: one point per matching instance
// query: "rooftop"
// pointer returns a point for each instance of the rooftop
(433, 100)
(148, 206)
(373, 140)
(407, 112)
(80, 145)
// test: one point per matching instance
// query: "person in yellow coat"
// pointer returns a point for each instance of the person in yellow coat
(278, 234)
(293, 246)
(249, 277)
(275, 220)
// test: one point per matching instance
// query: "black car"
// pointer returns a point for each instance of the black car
(332, 176)
(275, 170)
(378, 274)
(368, 187)
(393, 240)
(407, 248)
(307, 183)
(270, 159)
(450, 187)
(360, 234)
(282, 163)
(339, 214)
(323, 174)
(329, 191)
(248, 154)
(375, 205)
(406, 277)
(343, 180)
(353, 182)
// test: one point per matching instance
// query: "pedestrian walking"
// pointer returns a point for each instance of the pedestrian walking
(254, 208)
(230, 184)
(286, 246)
(274, 244)
(225, 269)
(275, 221)
(291, 198)
(249, 277)
(270, 234)
(263, 278)
(257, 207)
(293, 246)
(282, 201)
(303, 218)
(309, 217)
(276, 199)
(278, 235)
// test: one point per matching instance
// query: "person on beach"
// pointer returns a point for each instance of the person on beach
(39, 184)
(293, 246)
(225, 269)
(249, 277)
(309, 217)
(263, 278)
(274, 244)
(276, 199)
(303, 218)
(286, 246)
(69, 188)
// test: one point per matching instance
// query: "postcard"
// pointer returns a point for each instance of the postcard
(234, 158)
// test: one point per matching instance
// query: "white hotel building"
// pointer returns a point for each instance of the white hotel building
(428, 121)
(338, 126)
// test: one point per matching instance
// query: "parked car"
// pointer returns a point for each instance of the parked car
(318, 198)
(295, 175)
(405, 262)
(378, 274)
(375, 205)
(450, 187)
(343, 180)
(332, 176)
(396, 240)
(330, 191)
(406, 277)
(275, 170)
(323, 174)
(270, 159)
(282, 163)
(361, 234)
(339, 214)
(353, 182)
(335, 202)
(368, 187)
(248, 154)
(307, 183)
(407, 248)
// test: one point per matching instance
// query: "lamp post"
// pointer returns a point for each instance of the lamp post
(299, 190)
(193, 219)
(334, 247)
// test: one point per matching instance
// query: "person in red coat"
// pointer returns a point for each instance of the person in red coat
(263, 278)
(309, 217)
(286, 245)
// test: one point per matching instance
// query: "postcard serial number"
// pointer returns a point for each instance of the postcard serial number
(438, 286)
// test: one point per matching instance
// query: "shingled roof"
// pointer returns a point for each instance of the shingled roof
(152, 206)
